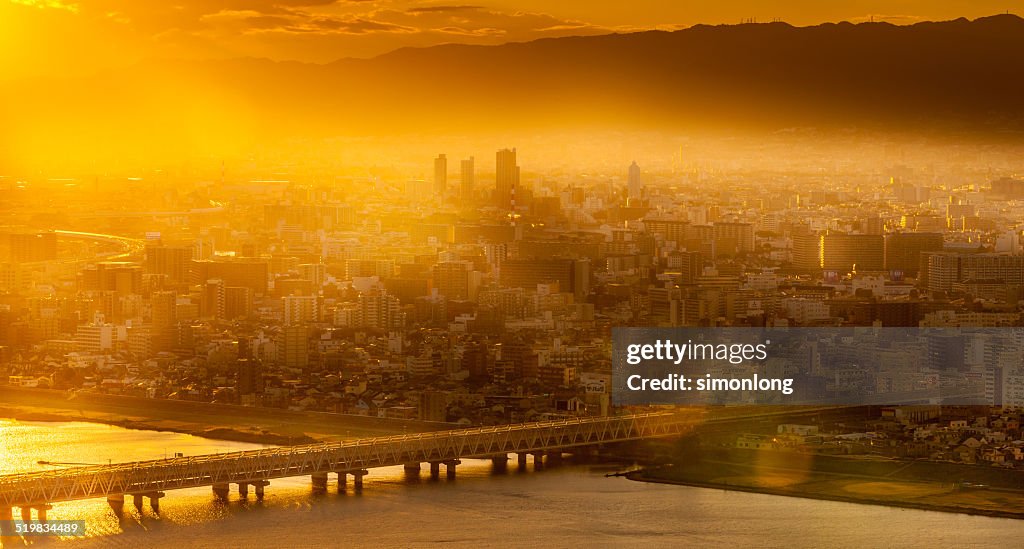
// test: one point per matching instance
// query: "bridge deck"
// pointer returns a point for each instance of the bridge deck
(205, 470)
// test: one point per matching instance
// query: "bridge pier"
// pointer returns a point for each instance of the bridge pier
(243, 490)
(6, 528)
(521, 460)
(449, 467)
(221, 491)
(342, 480)
(412, 471)
(258, 486)
(554, 457)
(538, 460)
(435, 470)
(499, 463)
(357, 477)
(154, 501)
(319, 482)
(116, 503)
(26, 512)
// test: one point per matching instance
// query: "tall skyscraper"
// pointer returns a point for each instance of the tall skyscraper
(506, 177)
(440, 175)
(468, 178)
(634, 181)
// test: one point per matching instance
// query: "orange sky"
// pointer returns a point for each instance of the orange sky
(57, 37)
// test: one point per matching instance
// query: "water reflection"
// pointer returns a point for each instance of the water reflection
(483, 506)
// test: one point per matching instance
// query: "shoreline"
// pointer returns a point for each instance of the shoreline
(210, 420)
(225, 433)
(234, 434)
(644, 476)
(270, 426)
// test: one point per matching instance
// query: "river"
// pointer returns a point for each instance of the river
(564, 506)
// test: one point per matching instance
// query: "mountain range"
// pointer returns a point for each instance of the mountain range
(954, 74)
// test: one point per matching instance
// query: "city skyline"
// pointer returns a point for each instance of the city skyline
(398, 273)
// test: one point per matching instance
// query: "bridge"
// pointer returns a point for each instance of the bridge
(255, 468)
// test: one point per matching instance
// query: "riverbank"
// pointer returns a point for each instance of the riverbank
(205, 431)
(794, 475)
(215, 421)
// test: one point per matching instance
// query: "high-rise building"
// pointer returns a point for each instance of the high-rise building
(212, 300)
(300, 309)
(635, 187)
(671, 230)
(467, 178)
(506, 177)
(31, 247)
(314, 272)
(383, 268)
(440, 175)
(571, 275)
(689, 264)
(852, 252)
(452, 279)
(121, 277)
(380, 310)
(15, 278)
(250, 377)
(940, 271)
(170, 261)
(433, 406)
(293, 350)
(731, 239)
(237, 302)
(95, 337)
(1007, 269)
(903, 251)
(250, 273)
(806, 249)
(474, 360)
(164, 317)
(944, 269)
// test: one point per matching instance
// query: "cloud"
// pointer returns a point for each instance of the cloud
(442, 9)
(468, 20)
(304, 30)
(292, 21)
(44, 4)
(487, 31)
(357, 26)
